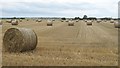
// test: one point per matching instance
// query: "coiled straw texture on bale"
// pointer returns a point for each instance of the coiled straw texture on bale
(19, 40)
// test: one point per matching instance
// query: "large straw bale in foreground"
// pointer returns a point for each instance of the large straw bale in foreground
(19, 40)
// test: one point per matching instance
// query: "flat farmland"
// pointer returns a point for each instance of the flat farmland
(0, 45)
(63, 45)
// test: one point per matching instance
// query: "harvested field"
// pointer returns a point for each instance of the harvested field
(61, 45)
(0, 45)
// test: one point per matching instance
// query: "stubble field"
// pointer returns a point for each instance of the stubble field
(63, 45)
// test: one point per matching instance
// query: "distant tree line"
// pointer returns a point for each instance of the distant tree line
(85, 17)
(13, 18)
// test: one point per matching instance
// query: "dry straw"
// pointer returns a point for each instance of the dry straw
(117, 24)
(20, 20)
(0, 22)
(9, 21)
(62, 21)
(85, 20)
(89, 23)
(53, 19)
(19, 40)
(49, 22)
(98, 21)
(71, 23)
(77, 20)
(111, 21)
(67, 20)
(38, 20)
(14, 22)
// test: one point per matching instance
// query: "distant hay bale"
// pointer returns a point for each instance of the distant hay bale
(27, 19)
(14, 22)
(98, 21)
(89, 23)
(77, 20)
(105, 20)
(38, 20)
(70, 23)
(0, 22)
(49, 23)
(53, 19)
(62, 21)
(9, 21)
(20, 20)
(111, 21)
(67, 20)
(85, 20)
(92, 20)
(117, 24)
(19, 40)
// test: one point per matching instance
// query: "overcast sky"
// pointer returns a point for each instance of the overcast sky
(59, 8)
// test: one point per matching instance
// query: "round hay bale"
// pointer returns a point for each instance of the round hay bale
(98, 21)
(67, 20)
(19, 40)
(0, 22)
(9, 21)
(89, 23)
(111, 21)
(14, 22)
(53, 20)
(20, 20)
(49, 23)
(77, 20)
(105, 20)
(92, 20)
(117, 24)
(39, 20)
(85, 20)
(70, 23)
(62, 21)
